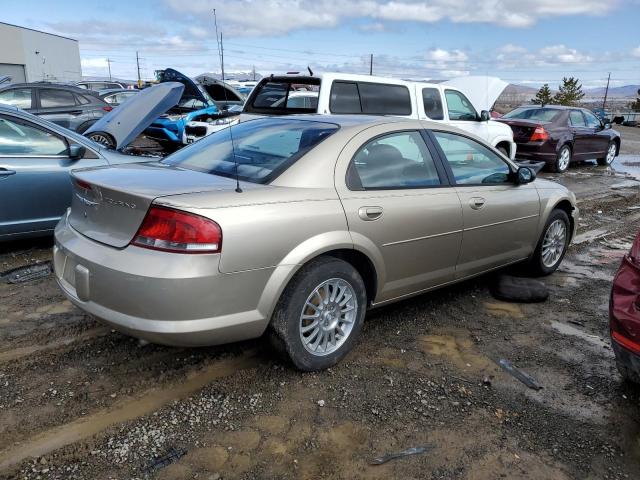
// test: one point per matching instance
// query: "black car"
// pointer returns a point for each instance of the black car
(68, 106)
(559, 135)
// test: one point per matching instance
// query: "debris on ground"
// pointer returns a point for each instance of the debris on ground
(404, 453)
(525, 378)
(27, 273)
(172, 455)
(519, 289)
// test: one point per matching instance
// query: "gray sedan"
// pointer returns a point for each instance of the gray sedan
(295, 226)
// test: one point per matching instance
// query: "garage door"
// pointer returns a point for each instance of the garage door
(16, 72)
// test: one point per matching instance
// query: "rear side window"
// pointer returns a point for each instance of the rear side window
(432, 103)
(51, 98)
(18, 97)
(370, 98)
(262, 149)
(82, 100)
(576, 118)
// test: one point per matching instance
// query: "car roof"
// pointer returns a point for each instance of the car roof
(58, 86)
(108, 91)
(553, 107)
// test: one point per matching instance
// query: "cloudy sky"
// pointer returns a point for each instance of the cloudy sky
(526, 42)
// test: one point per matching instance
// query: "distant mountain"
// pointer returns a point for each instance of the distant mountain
(630, 91)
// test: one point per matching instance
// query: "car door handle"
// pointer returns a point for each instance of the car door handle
(370, 213)
(5, 173)
(76, 112)
(477, 203)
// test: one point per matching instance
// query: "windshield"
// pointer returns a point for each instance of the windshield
(263, 148)
(282, 95)
(536, 113)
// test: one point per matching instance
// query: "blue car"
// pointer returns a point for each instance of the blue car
(196, 104)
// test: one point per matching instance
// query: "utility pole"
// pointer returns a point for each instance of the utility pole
(604, 102)
(138, 65)
(109, 65)
(254, 72)
(371, 64)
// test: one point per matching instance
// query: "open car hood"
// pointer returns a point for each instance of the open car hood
(481, 90)
(217, 89)
(128, 120)
(191, 90)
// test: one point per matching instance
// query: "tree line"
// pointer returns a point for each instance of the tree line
(569, 93)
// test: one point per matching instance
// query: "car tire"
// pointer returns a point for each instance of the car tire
(309, 312)
(610, 155)
(103, 139)
(563, 159)
(552, 245)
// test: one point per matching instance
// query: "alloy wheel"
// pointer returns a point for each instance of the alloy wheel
(328, 317)
(611, 153)
(554, 243)
(563, 161)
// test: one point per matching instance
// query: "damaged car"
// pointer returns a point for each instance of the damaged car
(313, 218)
(196, 105)
(36, 157)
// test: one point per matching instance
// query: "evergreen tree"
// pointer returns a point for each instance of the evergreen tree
(543, 96)
(570, 92)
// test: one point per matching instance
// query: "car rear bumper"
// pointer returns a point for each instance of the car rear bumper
(167, 298)
(624, 314)
(629, 359)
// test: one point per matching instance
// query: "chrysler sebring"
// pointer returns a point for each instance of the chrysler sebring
(297, 225)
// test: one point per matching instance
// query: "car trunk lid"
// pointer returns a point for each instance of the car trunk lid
(109, 204)
(522, 129)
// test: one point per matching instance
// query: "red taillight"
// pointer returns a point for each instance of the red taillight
(625, 342)
(175, 231)
(539, 135)
(107, 108)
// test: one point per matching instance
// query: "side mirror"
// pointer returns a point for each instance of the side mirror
(607, 125)
(485, 116)
(76, 151)
(525, 175)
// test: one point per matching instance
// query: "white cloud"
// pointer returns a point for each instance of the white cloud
(440, 55)
(562, 54)
(278, 17)
(93, 63)
(636, 51)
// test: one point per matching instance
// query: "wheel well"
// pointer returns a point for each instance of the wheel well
(363, 265)
(566, 206)
(617, 142)
(506, 146)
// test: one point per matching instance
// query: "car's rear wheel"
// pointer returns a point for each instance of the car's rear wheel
(563, 159)
(552, 245)
(628, 375)
(612, 151)
(320, 314)
(102, 138)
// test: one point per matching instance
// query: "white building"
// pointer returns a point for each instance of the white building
(28, 55)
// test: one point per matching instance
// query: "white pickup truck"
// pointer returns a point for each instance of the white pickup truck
(341, 93)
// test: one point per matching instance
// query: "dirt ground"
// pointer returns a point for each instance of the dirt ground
(80, 401)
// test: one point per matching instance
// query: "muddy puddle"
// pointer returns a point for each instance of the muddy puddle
(123, 411)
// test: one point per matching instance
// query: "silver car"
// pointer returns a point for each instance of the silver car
(296, 226)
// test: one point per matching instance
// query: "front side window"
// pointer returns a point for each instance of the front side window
(471, 162)
(592, 120)
(576, 119)
(18, 97)
(459, 107)
(432, 103)
(261, 149)
(399, 160)
(52, 98)
(22, 139)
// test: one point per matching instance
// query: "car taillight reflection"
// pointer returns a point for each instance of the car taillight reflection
(172, 230)
(107, 108)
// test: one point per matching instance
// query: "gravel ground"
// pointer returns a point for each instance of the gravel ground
(80, 401)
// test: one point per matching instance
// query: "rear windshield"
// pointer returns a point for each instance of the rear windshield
(542, 114)
(264, 148)
(282, 96)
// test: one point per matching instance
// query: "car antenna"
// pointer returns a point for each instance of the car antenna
(310, 72)
(226, 99)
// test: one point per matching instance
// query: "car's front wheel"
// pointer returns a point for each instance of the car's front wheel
(612, 151)
(102, 138)
(552, 245)
(320, 314)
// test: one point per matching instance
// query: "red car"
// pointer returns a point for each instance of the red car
(560, 135)
(624, 314)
